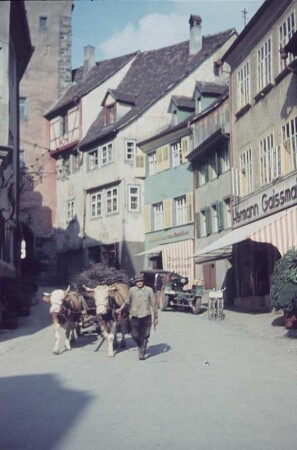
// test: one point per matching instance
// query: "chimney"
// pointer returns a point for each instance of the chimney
(89, 58)
(195, 44)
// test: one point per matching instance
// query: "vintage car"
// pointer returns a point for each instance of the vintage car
(174, 294)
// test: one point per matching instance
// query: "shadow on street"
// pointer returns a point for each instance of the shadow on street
(37, 411)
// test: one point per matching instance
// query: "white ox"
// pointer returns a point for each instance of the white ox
(65, 311)
(107, 300)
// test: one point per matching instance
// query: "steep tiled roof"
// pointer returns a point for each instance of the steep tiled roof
(96, 76)
(151, 75)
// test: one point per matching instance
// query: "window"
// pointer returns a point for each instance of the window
(70, 210)
(270, 159)
(96, 205)
(106, 154)
(42, 23)
(181, 217)
(152, 163)
(213, 166)
(202, 173)
(130, 150)
(110, 114)
(112, 201)
(158, 213)
(64, 125)
(134, 198)
(286, 31)
(289, 139)
(243, 85)
(23, 107)
(93, 161)
(214, 219)
(224, 159)
(176, 154)
(264, 65)
(246, 175)
(203, 223)
(227, 213)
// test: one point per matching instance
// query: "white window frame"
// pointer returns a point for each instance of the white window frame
(158, 213)
(243, 85)
(213, 166)
(285, 32)
(112, 201)
(96, 204)
(270, 159)
(176, 154)
(130, 150)
(180, 208)
(134, 198)
(289, 140)
(152, 163)
(246, 169)
(106, 152)
(93, 159)
(70, 210)
(264, 64)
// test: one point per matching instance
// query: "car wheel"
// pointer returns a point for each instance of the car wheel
(197, 305)
(164, 301)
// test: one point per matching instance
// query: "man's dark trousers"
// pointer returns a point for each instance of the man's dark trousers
(140, 330)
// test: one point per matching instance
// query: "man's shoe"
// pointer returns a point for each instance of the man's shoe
(141, 354)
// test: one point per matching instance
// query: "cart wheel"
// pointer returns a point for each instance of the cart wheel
(197, 305)
(164, 301)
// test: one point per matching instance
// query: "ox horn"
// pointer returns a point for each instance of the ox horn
(67, 290)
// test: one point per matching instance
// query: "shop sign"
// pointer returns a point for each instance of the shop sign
(267, 203)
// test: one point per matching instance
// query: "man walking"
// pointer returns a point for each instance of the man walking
(143, 312)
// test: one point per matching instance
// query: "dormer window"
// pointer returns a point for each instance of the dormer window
(110, 114)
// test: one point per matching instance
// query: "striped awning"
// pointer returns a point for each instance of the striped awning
(279, 229)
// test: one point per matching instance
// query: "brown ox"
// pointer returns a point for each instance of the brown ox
(107, 300)
(65, 310)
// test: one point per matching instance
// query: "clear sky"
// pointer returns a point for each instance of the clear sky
(116, 27)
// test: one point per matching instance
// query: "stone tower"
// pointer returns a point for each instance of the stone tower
(47, 76)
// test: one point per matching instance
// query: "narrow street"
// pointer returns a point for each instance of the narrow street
(204, 385)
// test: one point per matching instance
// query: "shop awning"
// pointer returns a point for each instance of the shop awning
(279, 229)
(153, 250)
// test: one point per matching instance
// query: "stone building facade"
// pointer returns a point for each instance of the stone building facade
(48, 75)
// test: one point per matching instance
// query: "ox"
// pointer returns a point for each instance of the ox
(107, 300)
(65, 310)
